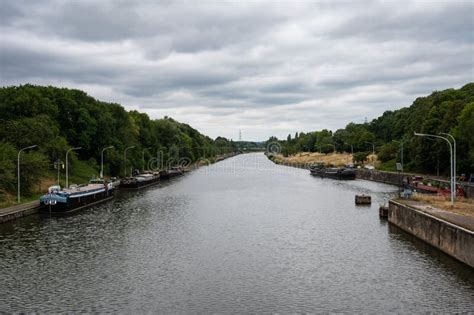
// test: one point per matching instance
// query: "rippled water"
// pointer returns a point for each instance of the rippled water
(243, 235)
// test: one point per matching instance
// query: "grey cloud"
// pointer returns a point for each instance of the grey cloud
(269, 68)
(443, 21)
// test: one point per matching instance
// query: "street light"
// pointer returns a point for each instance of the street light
(102, 160)
(18, 168)
(373, 146)
(143, 157)
(67, 162)
(454, 160)
(125, 158)
(332, 146)
(401, 146)
(159, 159)
(451, 156)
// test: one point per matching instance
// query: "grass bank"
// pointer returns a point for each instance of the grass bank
(307, 158)
(79, 173)
(462, 206)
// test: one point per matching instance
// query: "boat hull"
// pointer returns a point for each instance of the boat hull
(74, 204)
(170, 174)
(138, 184)
(344, 175)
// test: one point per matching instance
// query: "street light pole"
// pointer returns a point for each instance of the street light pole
(454, 162)
(401, 147)
(18, 167)
(102, 160)
(143, 158)
(67, 162)
(451, 158)
(125, 158)
(373, 146)
(159, 161)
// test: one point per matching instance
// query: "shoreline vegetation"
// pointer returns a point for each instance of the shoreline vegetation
(334, 159)
(58, 119)
(391, 138)
(438, 205)
(79, 176)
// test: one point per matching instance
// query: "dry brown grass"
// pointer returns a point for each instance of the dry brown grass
(9, 199)
(336, 159)
(462, 206)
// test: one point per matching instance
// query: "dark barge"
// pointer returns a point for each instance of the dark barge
(138, 181)
(172, 172)
(76, 197)
(334, 173)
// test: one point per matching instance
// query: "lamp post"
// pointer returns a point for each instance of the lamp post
(18, 167)
(454, 161)
(143, 158)
(57, 164)
(451, 158)
(102, 160)
(159, 161)
(67, 163)
(373, 146)
(401, 147)
(125, 158)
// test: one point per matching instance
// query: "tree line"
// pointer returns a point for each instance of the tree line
(57, 119)
(449, 111)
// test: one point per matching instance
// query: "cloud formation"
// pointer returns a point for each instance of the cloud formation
(267, 68)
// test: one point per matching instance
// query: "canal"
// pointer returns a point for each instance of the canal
(242, 235)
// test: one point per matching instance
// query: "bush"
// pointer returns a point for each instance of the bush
(387, 152)
(360, 156)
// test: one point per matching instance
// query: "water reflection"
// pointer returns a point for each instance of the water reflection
(243, 235)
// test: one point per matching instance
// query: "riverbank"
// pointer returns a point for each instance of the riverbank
(307, 158)
(391, 178)
(241, 236)
(429, 218)
(19, 211)
(447, 231)
(32, 207)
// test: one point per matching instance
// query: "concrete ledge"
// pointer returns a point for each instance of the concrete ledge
(452, 239)
(19, 211)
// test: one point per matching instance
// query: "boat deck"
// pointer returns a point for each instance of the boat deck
(86, 188)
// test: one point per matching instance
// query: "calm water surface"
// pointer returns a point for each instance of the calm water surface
(242, 235)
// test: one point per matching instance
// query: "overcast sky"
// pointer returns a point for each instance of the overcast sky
(267, 68)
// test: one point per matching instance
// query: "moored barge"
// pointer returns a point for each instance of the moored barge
(172, 172)
(140, 180)
(335, 172)
(76, 197)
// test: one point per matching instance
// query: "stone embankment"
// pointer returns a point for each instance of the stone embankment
(451, 233)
